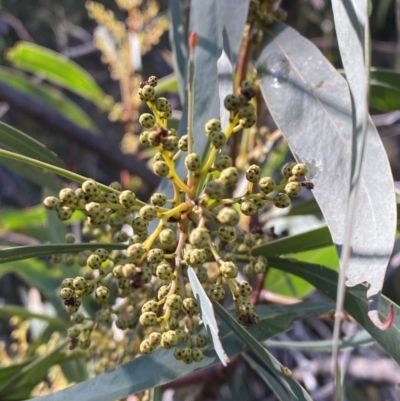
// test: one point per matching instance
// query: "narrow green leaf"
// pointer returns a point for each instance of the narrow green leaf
(14, 310)
(309, 206)
(8, 371)
(167, 84)
(48, 95)
(384, 89)
(361, 339)
(31, 251)
(356, 303)
(58, 69)
(207, 315)
(314, 239)
(159, 368)
(291, 385)
(296, 78)
(268, 379)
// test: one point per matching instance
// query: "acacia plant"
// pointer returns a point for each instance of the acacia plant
(150, 290)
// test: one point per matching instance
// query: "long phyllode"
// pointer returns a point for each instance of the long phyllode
(146, 284)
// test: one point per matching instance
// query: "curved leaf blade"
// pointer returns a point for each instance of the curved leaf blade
(207, 315)
(160, 368)
(309, 99)
(34, 251)
(48, 95)
(356, 303)
(384, 89)
(58, 69)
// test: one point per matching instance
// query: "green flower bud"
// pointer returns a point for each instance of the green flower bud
(218, 139)
(231, 103)
(169, 339)
(66, 293)
(248, 269)
(147, 93)
(158, 199)
(195, 257)
(223, 161)
(287, 169)
(163, 292)
(150, 306)
(102, 253)
(228, 216)
(67, 195)
(148, 319)
(229, 176)
(183, 143)
(136, 252)
(154, 338)
(174, 302)
(64, 213)
(199, 237)
(229, 269)
(167, 236)
(102, 293)
(247, 111)
(281, 200)
(300, 170)
(266, 184)
(164, 271)
(253, 173)
(116, 185)
(146, 347)
(79, 283)
(293, 188)
(161, 168)
(170, 143)
(260, 267)
(51, 203)
(248, 208)
(147, 120)
(217, 293)
(248, 122)
(90, 187)
(227, 233)
(67, 283)
(139, 224)
(77, 318)
(155, 255)
(144, 138)
(197, 354)
(127, 199)
(190, 306)
(84, 343)
(244, 288)
(214, 190)
(199, 340)
(94, 261)
(148, 213)
(193, 162)
(246, 85)
(212, 125)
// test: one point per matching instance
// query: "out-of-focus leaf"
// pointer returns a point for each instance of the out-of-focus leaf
(30, 251)
(20, 385)
(58, 69)
(14, 310)
(356, 303)
(48, 95)
(159, 368)
(309, 99)
(207, 315)
(384, 89)
(268, 379)
(16, 141)
(75, 370)
(309, 206)
(291, 385)
(167, 84)
(178, 45)
(8, 371)
(314, 239)
(360, 339)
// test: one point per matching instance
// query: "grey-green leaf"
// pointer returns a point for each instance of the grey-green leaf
(207, 315)
(310, 103)
(159, 368)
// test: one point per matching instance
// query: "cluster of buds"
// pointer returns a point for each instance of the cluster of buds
(147, 283)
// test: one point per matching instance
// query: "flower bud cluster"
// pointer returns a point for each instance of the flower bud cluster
(146, 282)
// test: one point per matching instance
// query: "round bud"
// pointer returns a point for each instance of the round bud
(218, 139)
(245, 307)
(102, 253)
(217, 293)
(187, 355)
(293, 188)
(197, 354)
(248, 269)
(146, 347)
(64, 213)
(162, 104)
(150, 306)
(102, 293)
(229, 176)
(227, 233)
(148, 319)
(231, 103)
(244, 288)
(261, 265)
(158, 199)
(193, 162)
(199, 237)
(148, 213)
(51, 203)
(152, 81)
(223, 161)
(287, 169)
(163, 292)
(139, 224)
(229, 269)
(281, 201)
(67, 195)
(246, 85)
(167, 236)
(127, 199)
(195, 257)
(183, 143)
(94, 261)
(248, 208)
(144, 139)
(190, 306)
(84, 343)
(66, 293)
(212, 125)
(161, 168)
(147, 120)
(147, 93)
(178, 354)
(136, 252)
(170, 143)
(116, 185)
(247, 111)
(199, 340)
(90, 187)
(228, 216)
(67, 283)
(155, 255)
(154, 338)
(174, 302)
(300, 170)
(266, 184)
(169, 339)
(214, 189)
(79, 283)
(253, 173)
(164, 271)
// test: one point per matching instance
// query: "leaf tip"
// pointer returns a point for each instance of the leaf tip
(387, 323)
